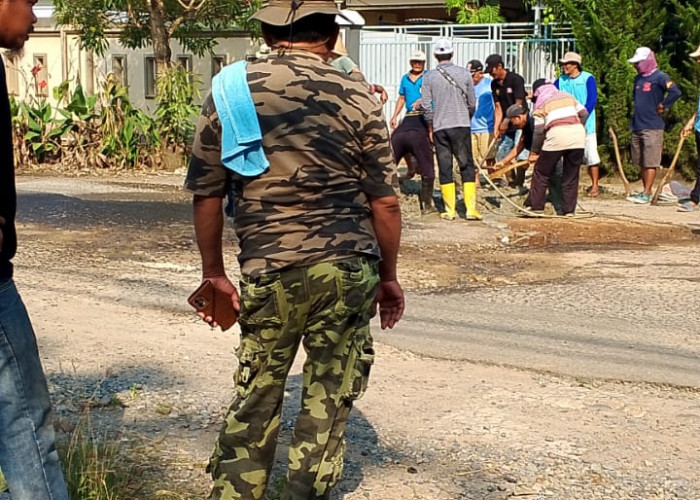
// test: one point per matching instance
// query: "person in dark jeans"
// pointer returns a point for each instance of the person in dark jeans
(693, 125)
(28, 457)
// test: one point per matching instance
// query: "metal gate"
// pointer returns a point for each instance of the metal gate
(530, 50)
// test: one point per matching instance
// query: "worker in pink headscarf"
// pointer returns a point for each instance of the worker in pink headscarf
(559, 134)
(654, 92)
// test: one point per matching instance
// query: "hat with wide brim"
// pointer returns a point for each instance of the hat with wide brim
(571, 57)
(696, 53)
(284, 12)
(339, 48)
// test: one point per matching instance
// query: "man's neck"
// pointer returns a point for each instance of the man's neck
(318, 48)
(574, 73)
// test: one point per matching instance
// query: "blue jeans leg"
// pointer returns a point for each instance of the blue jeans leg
(28, 456)
(505, 144)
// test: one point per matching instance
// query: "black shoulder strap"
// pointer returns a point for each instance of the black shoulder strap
(451, 81)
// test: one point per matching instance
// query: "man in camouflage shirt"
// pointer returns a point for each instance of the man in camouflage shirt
(319, 235)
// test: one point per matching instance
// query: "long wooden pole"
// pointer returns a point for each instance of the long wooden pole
(669, 173)
(620, 170)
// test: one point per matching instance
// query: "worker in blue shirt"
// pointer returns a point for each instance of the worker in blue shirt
(410, 139)
(582, 85)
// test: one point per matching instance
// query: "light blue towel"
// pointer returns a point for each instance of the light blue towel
(241, 139)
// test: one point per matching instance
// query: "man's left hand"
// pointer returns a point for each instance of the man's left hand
(532, 159)
(660, 109)
(390, 302)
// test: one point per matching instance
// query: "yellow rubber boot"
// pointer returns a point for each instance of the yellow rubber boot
(449, 198)
(470, 201)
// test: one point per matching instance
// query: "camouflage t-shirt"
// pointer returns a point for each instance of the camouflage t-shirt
(328, 146)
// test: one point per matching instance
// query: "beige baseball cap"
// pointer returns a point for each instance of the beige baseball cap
(696, 53)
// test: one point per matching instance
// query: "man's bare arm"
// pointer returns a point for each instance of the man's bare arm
(399, 106)
(209, 228)
(497, 119)
(386, 220)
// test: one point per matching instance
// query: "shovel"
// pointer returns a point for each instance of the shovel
(498, 173)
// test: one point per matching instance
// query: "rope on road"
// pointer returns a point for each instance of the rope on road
(583, 214)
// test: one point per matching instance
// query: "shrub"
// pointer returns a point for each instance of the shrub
(177, 92)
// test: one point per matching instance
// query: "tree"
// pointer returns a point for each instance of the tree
(607, 33)
(154, 22)
(475, 11)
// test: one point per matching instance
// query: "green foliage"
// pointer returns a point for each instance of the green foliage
(192, 22)
(177, 91)
(475, 11)
(607, 34)
(104, 130)
(129, 136)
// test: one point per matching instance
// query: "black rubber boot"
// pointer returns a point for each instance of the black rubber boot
(426, 198)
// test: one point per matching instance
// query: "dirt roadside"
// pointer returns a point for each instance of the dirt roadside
(104, 266)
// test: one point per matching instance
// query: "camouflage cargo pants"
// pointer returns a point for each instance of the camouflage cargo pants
(327, 307)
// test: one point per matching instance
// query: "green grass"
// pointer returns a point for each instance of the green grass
(98, 468)
(94, 468)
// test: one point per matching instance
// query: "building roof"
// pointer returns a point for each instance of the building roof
(392, 4)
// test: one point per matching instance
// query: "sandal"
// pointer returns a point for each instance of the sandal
(688, 206)
(594, 194)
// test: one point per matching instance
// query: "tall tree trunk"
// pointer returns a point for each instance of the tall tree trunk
(159, 34)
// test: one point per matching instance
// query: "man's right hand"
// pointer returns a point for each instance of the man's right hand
(2, 223)
(393, 123)
(685, 131)
(390, 302)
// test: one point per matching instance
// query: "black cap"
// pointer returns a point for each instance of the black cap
(492, 61)
(475, 65)
(537, 84)
(516, 110)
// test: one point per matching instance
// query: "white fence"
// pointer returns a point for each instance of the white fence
(530, 50)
